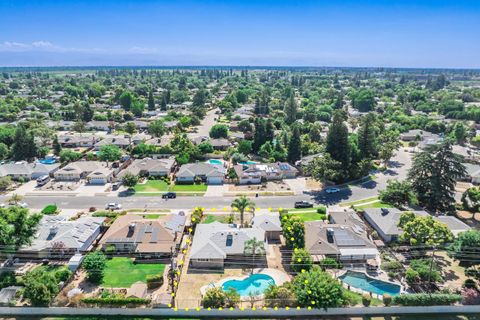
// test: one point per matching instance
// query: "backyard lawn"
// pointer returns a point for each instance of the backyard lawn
(122, 273)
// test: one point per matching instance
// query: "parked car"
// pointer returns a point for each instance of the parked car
(22, 205)
(113, 206)
(332, 190)
(169, 195)
(303, 204)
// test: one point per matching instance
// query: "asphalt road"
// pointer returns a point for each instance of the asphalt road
(398, 170)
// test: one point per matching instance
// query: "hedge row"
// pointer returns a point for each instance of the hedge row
(425, 299)
(116, 301)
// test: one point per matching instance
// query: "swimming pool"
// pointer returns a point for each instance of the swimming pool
(215, 161)
(362, 281)
(47, 161)
(255, 284)
(248, 162)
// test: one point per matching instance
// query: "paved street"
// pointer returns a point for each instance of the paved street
(398, 170)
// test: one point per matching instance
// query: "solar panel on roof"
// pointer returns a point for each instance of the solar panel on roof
(154, 237)
(343, 238)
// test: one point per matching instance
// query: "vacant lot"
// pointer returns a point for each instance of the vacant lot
(157, 187)
(122, 273)
(152, 186)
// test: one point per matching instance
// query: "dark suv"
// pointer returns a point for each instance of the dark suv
(169, 195)
(303, 204)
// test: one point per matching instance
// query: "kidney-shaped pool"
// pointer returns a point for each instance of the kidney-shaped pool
(255, 284)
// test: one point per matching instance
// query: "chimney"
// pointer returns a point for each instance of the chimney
(131, 227)
(53, 231)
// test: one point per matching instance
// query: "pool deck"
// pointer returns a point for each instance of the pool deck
(279, 277)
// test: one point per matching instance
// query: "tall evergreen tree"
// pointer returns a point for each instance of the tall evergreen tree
(291, 109)
(163, 105)
(368, 137)
(338, 145)
(24, 147)
(259, 136)
(57, 148)
(434, 174)
(151, 101)
(295, 145)
(269, 130)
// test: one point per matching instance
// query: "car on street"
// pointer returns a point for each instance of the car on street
(303, 204)
(113, 206)
(169, 195)
(22, 205)
(332, 190)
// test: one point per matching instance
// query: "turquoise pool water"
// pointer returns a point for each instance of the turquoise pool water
(254, 284)
(47, 161)
(248, 162)
(215, 161)
(362, 281)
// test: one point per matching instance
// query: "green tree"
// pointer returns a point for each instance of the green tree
(157, 128)
(294, 146)
(398, 193)
(110, 152)
(69, 156)
(254, 247)
(293, 230)
(199, 98)
(241, 204)
(364, 100)
(245, 147)
(94, 265)
(368, 136)
(460, 133)
(466, 246)
(259, 136)
(291, 109)
(471, 199)
(338, 144)
(219, 131)
(280, 296)
(41, 287)
(5, 183)
(3, 151)
(151, 101)
(423, 230)
(301, 260)
(434, 174)
(137, 107)
(324, 168)
(217, 298)
(318, 289)
(17, 226)
(24, 147)
(126, 100)
(422, 270)
(130, 128)
(389, 142)
(205, 147)
(129, 180)
(57, 148)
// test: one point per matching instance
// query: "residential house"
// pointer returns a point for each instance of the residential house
(100, 176)
(385, 222)
(140, 125)
(140, 137)
(270, 223)
(344, 239)
(150, 237)
(220, 144)
(473, 173)
(56, 235)
(99, 125)
(150, 167)
(159, 142)
(207, 172)
(119, 141)
(78, 170)
(257, 172)
(27, 171)
(217, 244)
(77, 140)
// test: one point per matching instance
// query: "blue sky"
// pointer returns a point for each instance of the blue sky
(391, 33)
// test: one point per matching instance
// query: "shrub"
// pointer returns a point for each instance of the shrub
(394, 266)
(301, 260)
(94, 264)
(154, 281)
(111, 248)
(63, 274)
(387, 299)
(92, 209)
(426, 299)
(280, 296)
(50, 209)
(330, 263)
(322, 210)
(470, 283)
(470, 296)
(366, 300)
(116, 301)
(7, 279)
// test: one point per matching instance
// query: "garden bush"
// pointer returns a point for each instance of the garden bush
(50, 209)
(387, 299)
(322, 210)
(116, 301)
(154, 281)
(366, 300)
(426, 299)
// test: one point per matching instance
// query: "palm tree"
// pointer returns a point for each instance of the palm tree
(241, 204)
(254, 247)
(15, 199)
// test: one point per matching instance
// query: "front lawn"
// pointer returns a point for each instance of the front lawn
(189, 188)
(122, 273)
(310, 216)
(212, 218)
(377, 204)
(152, 186)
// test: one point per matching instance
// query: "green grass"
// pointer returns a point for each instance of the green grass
(378, 204)
(189, 187)
(152, 186)
(356, 299)
(212, 218)
(122, 273)
(152, 216)
(358, 202)
(314, 209)
(310, 216)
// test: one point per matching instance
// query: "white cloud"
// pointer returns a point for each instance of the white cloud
(42, 44)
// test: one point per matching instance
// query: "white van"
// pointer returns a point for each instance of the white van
(41, 181)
